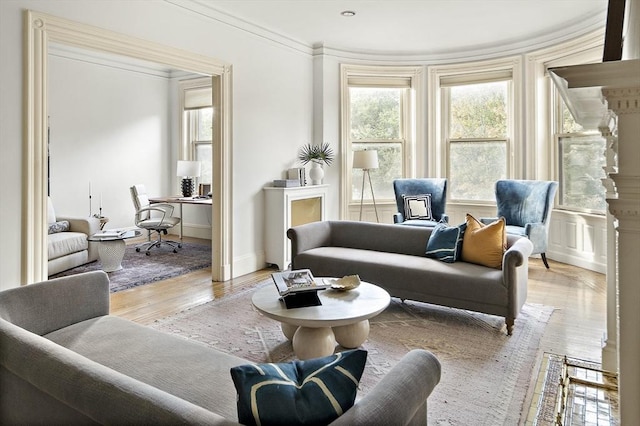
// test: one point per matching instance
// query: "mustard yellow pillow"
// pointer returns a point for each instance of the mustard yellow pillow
(484, 244)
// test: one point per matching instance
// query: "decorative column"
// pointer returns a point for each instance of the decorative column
(625, 103)
(610, 339)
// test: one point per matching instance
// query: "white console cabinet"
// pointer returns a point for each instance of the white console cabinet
(287, 207)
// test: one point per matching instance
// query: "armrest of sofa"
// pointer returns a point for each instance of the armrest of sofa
(80, 389)
(86, 225)
(308, 236)
(51, 305)
(400, 398)
(398, 217)
(515, 275)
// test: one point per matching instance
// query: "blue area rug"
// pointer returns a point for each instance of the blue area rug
(139, 269)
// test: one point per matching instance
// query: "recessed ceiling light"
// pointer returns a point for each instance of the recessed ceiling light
(348, 13)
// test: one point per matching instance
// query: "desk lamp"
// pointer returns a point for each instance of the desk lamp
(188, 170)
(366, 160)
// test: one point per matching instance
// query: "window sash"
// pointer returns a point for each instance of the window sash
(383, 189)
(580, 186)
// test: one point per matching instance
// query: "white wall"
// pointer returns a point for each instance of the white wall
(272, 108)
(109, 127)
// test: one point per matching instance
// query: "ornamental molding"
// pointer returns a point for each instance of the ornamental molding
(623, 100)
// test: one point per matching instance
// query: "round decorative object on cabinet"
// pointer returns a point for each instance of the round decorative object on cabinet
(316, 173)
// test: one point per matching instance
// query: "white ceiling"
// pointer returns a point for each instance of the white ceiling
(417, 27)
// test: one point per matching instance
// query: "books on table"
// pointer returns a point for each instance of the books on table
(297, 281)
(112, 233)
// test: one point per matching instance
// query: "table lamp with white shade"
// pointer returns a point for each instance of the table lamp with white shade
(366, 160)
(188, 170)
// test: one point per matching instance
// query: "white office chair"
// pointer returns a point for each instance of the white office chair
(153, 217)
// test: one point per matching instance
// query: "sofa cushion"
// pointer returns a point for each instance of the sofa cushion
(445, 242)
(484, 244)
(59, 226)
(311, 392)
(64, 243)
(198, 374)
(417, 207)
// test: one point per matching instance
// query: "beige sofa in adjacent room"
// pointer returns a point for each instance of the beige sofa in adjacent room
(67, 245)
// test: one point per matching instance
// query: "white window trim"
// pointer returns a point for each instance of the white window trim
(438, 161)
(185, 150)
(415, 147)
(541, 154)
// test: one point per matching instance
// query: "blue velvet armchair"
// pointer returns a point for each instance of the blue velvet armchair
(435, 187)
(526, 207)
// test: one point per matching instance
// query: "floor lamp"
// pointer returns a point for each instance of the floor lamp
(366, 160)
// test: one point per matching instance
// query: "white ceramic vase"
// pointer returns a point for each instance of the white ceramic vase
(316, 173)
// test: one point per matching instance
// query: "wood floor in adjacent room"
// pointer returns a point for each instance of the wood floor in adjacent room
(575, 329)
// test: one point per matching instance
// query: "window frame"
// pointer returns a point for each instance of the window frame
(411, 134)
(443, 77)
(558, 133)
(189, 121)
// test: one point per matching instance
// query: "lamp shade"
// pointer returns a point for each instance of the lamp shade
(188, 168)
(365, 159)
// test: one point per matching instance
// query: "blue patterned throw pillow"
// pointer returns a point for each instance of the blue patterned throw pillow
(61, 226)
(445, 242)
(310, 392)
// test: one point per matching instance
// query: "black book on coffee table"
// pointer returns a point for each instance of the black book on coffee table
(302, 299)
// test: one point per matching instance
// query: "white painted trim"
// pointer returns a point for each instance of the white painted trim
(42, 29)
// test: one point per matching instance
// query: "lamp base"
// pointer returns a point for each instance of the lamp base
(187, 187)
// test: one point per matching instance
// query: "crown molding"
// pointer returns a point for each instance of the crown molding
(471, 53)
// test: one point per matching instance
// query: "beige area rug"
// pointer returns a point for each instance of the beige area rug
(485, 373)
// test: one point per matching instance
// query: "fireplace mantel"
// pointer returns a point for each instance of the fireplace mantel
(606, 96)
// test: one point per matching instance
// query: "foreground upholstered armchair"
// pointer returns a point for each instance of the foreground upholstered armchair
(526, 207)
(64, 360)
(420, 202)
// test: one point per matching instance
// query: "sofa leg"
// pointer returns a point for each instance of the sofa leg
(510, 323)
(544, 259)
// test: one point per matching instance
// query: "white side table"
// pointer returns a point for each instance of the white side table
(111, 249)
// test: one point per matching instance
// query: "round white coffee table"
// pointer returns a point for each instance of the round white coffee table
(111, 249)
(343, 317)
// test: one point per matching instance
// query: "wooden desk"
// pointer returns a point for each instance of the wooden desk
(181, 201)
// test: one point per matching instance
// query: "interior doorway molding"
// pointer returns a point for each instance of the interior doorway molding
(41, 29)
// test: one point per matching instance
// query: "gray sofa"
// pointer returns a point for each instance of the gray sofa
(393, 257)
(65, 360)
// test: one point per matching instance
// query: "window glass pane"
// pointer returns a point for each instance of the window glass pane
(375, 113)
(475, 167)
(389, 168)
(203, 153)
(581, 162)
(569, 125)
(205, 121)
(479, 110)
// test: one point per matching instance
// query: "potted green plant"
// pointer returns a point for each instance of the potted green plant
(316, 155)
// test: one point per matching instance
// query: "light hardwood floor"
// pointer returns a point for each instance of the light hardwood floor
(575, 329)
